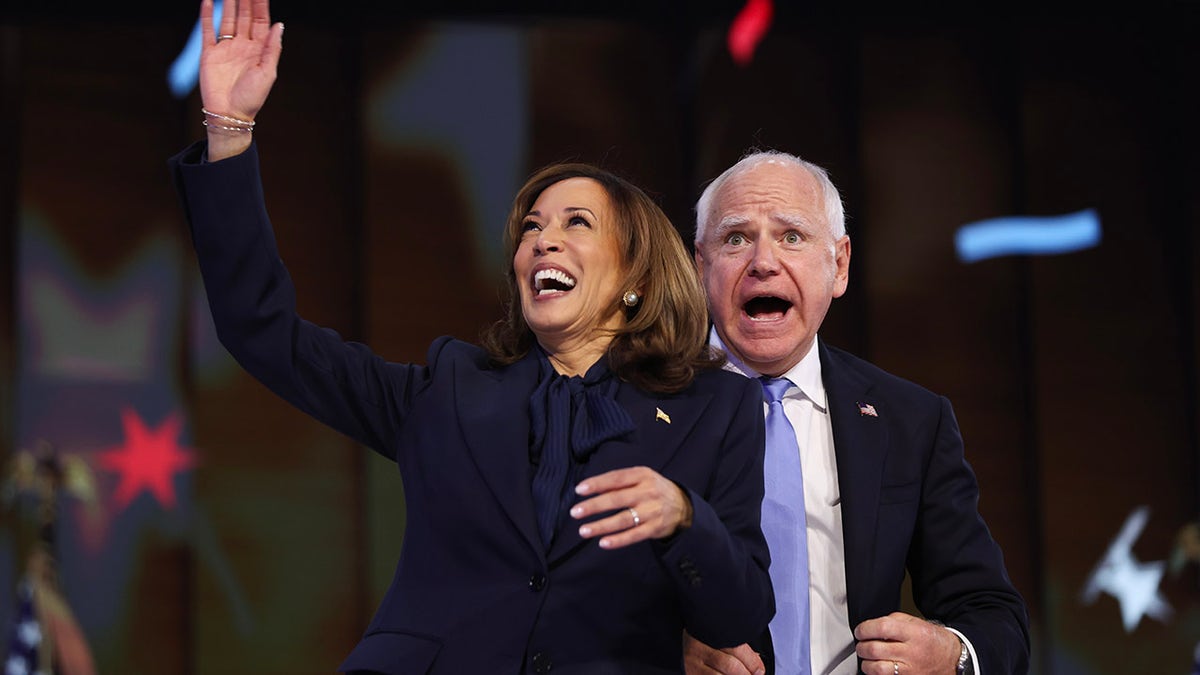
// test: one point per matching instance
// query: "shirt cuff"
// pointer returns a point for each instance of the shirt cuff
(970, 649)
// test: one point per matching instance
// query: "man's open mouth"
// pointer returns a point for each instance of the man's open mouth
(766, 307)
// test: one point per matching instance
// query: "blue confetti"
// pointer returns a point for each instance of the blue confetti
(185, 70)
(1036, 235)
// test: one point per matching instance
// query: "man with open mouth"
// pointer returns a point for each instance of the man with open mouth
(866, 477)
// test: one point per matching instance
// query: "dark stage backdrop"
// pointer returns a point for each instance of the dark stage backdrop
(227, 533)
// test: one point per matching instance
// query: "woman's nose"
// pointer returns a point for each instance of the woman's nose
(549, 239)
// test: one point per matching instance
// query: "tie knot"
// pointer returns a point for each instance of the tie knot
(775, 388)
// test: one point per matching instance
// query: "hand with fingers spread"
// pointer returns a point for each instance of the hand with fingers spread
(238, 61)
(646, 506)
(908, 644)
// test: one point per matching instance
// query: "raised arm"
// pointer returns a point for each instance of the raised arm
(238, 62)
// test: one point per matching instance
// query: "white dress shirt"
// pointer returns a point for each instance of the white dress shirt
(806, 407)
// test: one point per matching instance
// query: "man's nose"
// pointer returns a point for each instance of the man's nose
(764, 261)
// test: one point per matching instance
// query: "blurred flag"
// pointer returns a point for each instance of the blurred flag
(26, 637)
(46, 639)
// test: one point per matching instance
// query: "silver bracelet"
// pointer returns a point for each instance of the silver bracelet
(221, 126)
(226, 118)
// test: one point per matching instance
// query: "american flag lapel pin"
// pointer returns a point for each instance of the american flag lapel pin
(867, 410)
(660, 415)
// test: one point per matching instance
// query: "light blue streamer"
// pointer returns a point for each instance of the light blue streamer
(1036, 235)
(185, 70)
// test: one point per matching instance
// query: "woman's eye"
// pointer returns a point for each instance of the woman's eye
(579, 220)
(735, 239)
(529, 225)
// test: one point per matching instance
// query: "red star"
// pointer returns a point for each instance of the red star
(148, 460)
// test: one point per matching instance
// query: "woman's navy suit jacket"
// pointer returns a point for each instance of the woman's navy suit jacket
(475, 590)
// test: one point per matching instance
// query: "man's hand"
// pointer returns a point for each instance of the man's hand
(914, 645)
(700, 659)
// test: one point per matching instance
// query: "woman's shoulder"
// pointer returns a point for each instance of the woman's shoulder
(450, 351)
(447, 349)
(722, 383)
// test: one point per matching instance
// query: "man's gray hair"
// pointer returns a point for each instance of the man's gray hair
(835, 213)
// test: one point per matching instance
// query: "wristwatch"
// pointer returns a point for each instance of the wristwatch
(965, 667)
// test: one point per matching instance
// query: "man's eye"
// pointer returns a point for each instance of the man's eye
(792, 238)
(735, 239)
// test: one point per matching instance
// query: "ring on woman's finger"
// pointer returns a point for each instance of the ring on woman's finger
(225, 37)
(636, 520)
(895, 668)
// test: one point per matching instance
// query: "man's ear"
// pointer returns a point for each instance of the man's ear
(699, 258)
(842, 261)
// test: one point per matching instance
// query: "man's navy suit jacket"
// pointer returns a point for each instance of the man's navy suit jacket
(475, 590)
(910, 502)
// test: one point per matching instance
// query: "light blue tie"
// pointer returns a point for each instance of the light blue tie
(784, 525)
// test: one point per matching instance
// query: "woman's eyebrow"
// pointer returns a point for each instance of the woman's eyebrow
(569, 209)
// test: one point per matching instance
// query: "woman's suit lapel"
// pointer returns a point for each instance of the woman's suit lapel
(493, 410)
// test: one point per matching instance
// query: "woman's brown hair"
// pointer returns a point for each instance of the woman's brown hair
(665, 336)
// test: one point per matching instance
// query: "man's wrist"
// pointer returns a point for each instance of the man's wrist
(965, 665)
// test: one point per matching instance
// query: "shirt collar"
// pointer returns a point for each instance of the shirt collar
(806, 374)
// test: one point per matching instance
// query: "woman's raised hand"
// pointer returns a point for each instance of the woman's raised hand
(237, 68)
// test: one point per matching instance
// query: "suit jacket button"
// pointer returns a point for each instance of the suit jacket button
(537, 582)
(688, 568)
(541, 663)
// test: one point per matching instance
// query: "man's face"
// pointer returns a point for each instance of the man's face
(770, 265)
